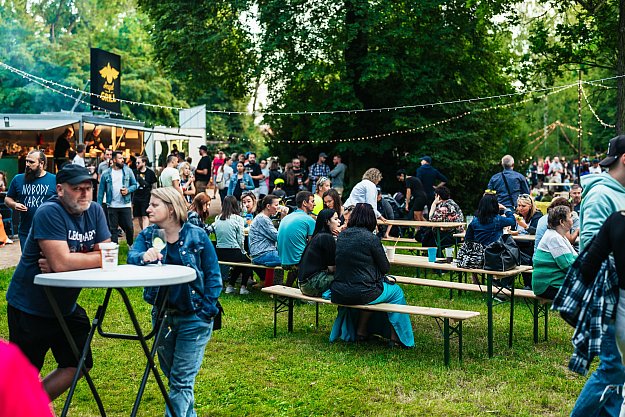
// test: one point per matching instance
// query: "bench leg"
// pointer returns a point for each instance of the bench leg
(446, 340)
(269, 273)
(511, 315)
(489, 304)
(290, 315)
(317, 315)
(536, 310)
(459, 330)
(275, 315)
(546, 312)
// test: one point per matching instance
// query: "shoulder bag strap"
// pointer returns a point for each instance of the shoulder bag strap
(505, 182)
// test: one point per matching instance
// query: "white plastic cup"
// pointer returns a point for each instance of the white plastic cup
(449, 254)
(110, 255)
(390, 253)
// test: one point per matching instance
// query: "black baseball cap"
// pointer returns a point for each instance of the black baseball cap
(323, 155)
(73, 174)
(616, 148)
(203, 148)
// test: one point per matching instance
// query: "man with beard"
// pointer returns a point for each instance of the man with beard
(146, 178)
(28, 190)
(65, 236)
(118, 182)
(253, 169)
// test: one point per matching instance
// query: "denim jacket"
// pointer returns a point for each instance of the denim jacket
(249, 183)
(197, 252)
(128, 181)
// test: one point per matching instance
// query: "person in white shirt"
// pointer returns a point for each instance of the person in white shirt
(170, 177)
(366, 191)
(594, 168)
(79, 159)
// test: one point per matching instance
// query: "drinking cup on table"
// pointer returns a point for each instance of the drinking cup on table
(110, 255)
(449, 254)
(390, 253)
(432, 254)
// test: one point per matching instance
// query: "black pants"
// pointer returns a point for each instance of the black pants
(235, 255)
(121, 217)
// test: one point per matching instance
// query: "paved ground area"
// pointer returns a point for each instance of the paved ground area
(10, 254)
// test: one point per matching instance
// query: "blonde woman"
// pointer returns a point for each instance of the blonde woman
(527, 217)
(366, 192)
(193, 305)
(187, 182)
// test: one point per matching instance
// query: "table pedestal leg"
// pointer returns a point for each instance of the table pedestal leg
(80, 356)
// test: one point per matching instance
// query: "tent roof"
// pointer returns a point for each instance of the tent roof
(36, 122)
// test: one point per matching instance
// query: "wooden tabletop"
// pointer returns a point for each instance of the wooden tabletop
(519, 238)
(422, 262)
(418, 223)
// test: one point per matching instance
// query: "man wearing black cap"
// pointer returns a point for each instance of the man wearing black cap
(318, 169)
(202, 172)
(428, 176)
(65, 236)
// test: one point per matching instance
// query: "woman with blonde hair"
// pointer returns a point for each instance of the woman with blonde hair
(527, 218)
(190, 307)
(366, 191)
(187, 182)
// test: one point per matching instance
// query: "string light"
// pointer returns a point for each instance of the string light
(306, 112)
(601, 122)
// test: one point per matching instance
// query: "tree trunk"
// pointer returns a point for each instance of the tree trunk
(620, 68)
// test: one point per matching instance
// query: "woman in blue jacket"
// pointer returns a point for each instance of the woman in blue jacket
(191, 307)
(240, 182)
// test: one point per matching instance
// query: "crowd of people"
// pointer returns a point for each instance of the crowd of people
(293, 217)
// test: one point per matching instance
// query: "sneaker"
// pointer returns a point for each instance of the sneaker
(242, 291)
(229, 289)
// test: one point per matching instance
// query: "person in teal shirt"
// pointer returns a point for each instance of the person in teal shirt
(554, 254)
(294, 232)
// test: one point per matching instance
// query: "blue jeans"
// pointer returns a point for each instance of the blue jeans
(609, 372)
(268, 259)
(180, 353)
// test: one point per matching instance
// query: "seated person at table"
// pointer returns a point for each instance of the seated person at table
(316, 269)
(554, 254)
(64, 236)
(199, 212)
(541, 228)
(443, 209)
(361, 265)
(263, 235)
(192, 306)
(527, 220)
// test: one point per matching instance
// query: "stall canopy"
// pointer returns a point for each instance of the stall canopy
(37, 122)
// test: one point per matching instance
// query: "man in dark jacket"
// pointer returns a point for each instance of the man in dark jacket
(509, 184)
(428, 176)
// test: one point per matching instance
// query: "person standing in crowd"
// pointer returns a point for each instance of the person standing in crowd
(366, 191)
(316, 269)
(291, 186)
(323, 185)
(337, 175)
(301, 175)
(79, 159)
(274, 174)
(222, 180)
(170, 176)
(263, 187)
(29, 190)
(318, 169)
(202, 172)
(61, 146)
(254, 171)
(603, 195)
(415, 195)
(293, 234)
(556, 170)
(118, 184)
(146, 181)
(277, 189)
(240, 182)
(217, 163)
(508, 183)
(428, 175)
(186, 182)
(263, 236)
(594, 168)
(93, 140)
(192, 307)
(66, 233)
(576, 196)
(105, 164)
(361, 266)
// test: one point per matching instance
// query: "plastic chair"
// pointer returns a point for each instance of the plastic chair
(7, 218)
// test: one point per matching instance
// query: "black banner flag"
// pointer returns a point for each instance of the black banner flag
(105, 80)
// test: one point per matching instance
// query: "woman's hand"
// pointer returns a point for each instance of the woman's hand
(502, 207)
(152, 255)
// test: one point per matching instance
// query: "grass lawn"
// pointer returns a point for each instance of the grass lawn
(247, 372)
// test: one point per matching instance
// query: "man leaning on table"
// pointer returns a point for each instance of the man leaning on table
(64, 236)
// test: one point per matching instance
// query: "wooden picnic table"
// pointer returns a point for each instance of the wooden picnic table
(436, 227)
(518, 238)
(422, 262)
